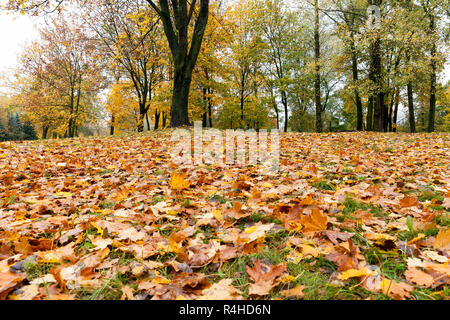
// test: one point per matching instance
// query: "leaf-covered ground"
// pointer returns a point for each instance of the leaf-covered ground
(350, 216)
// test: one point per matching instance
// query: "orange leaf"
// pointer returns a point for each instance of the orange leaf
(316, 221)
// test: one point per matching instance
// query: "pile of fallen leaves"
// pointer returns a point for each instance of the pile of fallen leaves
(349, 216)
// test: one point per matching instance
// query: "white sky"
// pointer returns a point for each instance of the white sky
(15, 31)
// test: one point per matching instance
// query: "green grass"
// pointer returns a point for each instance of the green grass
(106, 204)
(35, 270)
(351, 205)
(323, 185)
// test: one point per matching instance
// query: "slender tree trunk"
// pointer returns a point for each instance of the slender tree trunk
(369, 117)
(147, 121)
(111, 128)
(317, 68)
(431, 114)
(210, 112)
(286, 112)
(164, 119)
(412, 121)
(397, 100)
(241, 100)
(391, 110)
(275, 107)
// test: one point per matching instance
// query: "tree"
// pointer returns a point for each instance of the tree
(176, 19)
(28, 131)
(61, 71)
(130, 36)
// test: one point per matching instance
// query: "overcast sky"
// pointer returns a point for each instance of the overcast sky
(16, 30)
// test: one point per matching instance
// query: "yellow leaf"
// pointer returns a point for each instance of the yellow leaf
(178, 181)
(442, 240)
(353, 273)
(217, 214)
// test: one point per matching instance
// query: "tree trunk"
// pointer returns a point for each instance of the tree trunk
(431, 114)
(176, 21)
(147, 121)
(44, 132)
(179, 109)
(397, 100)
(210, 108)
(164, 119)
(369, 117)
(157, 114)
(286, 112)
(111, 128)
(317, 69)
(359, 109)
(412, 121)
(375, 75)
(140, 126)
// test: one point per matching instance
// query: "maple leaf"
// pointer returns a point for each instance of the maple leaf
(396, 290)
(409, 201)
(222, 290)
(316, 221)
(418, 277)
(178, 181)
(296, 292)
(442, 240)
(8, 281)
(264, 276)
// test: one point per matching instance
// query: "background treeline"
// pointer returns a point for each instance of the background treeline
(305, 65)
(14, 127)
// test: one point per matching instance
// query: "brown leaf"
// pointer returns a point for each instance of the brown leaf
(8, 281)
(409, 201)
(264, 276)
(222, 290)
(296, 292)
(418, 277)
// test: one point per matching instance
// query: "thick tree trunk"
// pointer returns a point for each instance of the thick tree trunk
(140, 126)
(157, 115)
(204, 119)
(359, 109)
(44, 132)
(379, 112)
(176, 21)
(376, 76)
(179, 115)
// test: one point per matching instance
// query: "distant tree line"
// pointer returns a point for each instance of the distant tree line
(16, 129)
